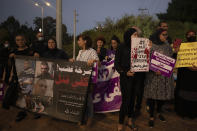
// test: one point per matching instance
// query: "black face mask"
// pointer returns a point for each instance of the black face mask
(191, 39)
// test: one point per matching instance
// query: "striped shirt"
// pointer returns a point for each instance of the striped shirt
(86, 55)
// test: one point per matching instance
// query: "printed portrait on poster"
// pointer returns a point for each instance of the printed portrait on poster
(44, 70)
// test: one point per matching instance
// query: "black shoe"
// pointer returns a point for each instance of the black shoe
(151, 123)
(37, 116)
(161, 118)
(20, 116)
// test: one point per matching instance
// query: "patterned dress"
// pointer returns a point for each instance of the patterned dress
(159, 87)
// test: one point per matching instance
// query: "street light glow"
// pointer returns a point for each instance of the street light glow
(47, 3)
(36, 4)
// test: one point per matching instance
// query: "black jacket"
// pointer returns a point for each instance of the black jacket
(39, 47)
(56, 54)
(102, 54)
(122, 59)
(4, 53)
(123, 53)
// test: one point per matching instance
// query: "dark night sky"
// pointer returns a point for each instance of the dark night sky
(90, 11)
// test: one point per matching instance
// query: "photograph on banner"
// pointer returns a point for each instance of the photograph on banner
(44, 70)
(187, 55)
(140, 54)
(25, 72)
(42, 96)
(162, 63)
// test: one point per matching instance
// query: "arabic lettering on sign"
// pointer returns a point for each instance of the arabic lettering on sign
(108, 97)
(64, 79)
(103, 73)
(76, 70)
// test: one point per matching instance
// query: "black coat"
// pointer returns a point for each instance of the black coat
(39, 47)
(123, 53)
(4, 53)
(56, 54)
(122, 59)
(102, 54)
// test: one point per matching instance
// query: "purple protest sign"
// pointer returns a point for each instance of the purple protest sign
(162, 63)
(107, 94)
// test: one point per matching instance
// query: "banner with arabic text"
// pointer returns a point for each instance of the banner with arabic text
(55, 88)
(107, 94)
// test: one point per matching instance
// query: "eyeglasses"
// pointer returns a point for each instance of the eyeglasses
(165, 34)
(19, 39)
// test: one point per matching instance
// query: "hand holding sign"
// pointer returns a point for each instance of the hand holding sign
(129, 73)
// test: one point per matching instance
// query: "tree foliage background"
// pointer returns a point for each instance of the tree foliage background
(180, 16)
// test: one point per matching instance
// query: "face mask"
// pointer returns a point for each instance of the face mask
(191, 39)
(6, 45)
(40, 38)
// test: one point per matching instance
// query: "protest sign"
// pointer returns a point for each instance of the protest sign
(187, 55)
(162, 63)
(107, 94)
(140, 55)
(53, 87)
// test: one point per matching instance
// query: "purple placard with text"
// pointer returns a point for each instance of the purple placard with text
(163, 63)
(106, 94)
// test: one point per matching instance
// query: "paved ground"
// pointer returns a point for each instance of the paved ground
(101, 122)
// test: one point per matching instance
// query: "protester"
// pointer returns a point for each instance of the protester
(53, 52)
(4, 54)
(39, 45)
(115, 42)
(24, 50)
(89, 55)
(122, 65)
(186, 91)
(101, 51)
(163, 25)
(158, 88)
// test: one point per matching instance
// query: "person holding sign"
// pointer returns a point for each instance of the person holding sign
(122, 65)
(101, 51)
(89, 55)
(186, 91)
(158, 88)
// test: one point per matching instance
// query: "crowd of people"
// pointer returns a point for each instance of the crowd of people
(155, 88)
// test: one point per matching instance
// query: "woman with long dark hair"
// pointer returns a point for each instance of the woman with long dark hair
(158, 88)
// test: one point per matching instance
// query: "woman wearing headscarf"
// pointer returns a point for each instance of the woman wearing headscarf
(53, 52)
(158, 88)
(122, 65)
(186, 91)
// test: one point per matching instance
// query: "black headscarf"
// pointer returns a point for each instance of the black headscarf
(155, 38)
(127, 36)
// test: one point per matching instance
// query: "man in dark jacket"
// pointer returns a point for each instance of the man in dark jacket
(39, 45)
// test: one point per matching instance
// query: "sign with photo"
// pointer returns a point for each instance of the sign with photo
(162, 63)
(55, 88)
(140, 55)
